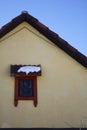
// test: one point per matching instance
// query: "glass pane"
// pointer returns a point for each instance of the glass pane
(25, 87)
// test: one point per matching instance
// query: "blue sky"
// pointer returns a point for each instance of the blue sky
(68, 18)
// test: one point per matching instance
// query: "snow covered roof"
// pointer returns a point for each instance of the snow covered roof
(29, 69)
(33, 70)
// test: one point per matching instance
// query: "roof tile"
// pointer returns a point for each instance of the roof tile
(58, 41)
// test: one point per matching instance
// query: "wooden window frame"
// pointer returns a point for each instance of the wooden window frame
(16, 95)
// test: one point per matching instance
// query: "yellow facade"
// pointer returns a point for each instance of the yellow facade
(62, 87)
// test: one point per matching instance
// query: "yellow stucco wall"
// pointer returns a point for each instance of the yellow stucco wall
(62, 88)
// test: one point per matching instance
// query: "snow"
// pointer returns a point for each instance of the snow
(28, 69)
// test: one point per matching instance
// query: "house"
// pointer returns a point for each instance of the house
(43, 79)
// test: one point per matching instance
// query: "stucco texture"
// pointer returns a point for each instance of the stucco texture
(62, 87)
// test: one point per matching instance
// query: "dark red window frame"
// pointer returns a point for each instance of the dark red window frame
(33, 97)
(23, 76)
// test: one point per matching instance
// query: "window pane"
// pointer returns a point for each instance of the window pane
(25, 87)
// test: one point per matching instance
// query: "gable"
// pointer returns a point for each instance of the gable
(28, 46)
(25, 47)
(26, 28)
(52, 36)
(62, 86)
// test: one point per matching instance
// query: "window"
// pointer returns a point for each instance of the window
(25, 88)
(25, 82)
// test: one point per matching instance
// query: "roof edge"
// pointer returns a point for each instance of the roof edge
(54, 37)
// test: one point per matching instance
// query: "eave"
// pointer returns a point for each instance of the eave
(58, 41)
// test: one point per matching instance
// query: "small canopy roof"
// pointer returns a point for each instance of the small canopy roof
(25, 70)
